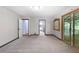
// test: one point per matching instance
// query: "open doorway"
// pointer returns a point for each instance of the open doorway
(23, 27)
(42, 27)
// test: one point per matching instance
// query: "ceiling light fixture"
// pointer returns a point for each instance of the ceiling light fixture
(36, 7)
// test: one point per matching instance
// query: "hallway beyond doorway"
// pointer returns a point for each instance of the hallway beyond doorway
(42, 27)
(23, 27)
(38, 44)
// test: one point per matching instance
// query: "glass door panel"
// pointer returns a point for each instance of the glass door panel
(76, 29)
(67, 33)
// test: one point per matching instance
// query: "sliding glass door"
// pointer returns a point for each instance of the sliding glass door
(71, 28)
(76, 29)
(67, 28)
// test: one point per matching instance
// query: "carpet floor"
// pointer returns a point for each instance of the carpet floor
(38, 44)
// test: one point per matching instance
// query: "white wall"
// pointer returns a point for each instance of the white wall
(34, 23)
(32, 26)
(20, 28)
(8, 25)
(49, 25)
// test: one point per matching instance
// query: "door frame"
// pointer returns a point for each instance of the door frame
(19, 29)
(28, 26)
(39, 26)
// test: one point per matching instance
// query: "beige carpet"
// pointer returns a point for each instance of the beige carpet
(38, 44)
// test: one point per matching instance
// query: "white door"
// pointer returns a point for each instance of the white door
(20, 28)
